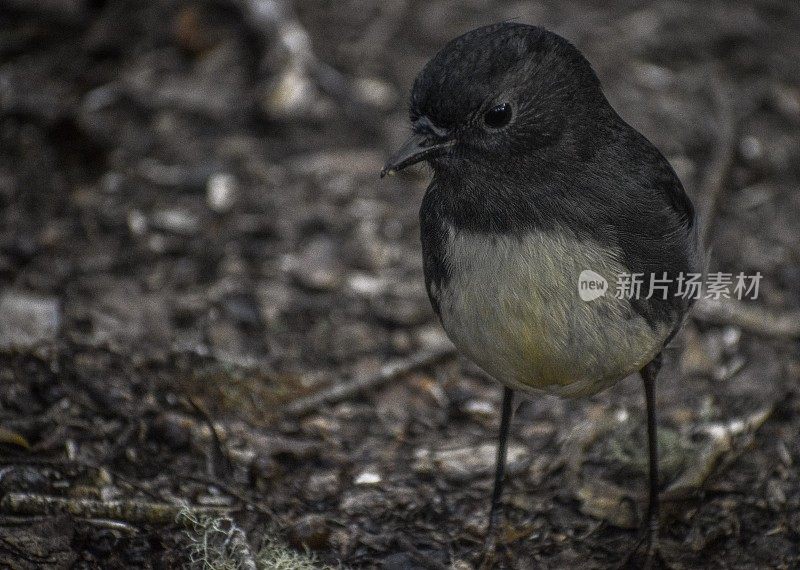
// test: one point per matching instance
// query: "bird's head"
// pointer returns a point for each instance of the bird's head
(497, 95)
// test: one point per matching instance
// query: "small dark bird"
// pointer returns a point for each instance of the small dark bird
(536, 179)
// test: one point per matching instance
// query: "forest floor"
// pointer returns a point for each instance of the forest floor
(195, 250)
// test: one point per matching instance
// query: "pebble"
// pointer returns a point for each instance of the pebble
(290, 93)
(368, 478)
(431, 337)
(481, 409)
(221, 190)
(137, 223)
(367, 285)
(175, 220)
(27, 320)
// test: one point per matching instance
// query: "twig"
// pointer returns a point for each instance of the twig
(710, 189)
(136, 512)
(390, 371)
(751, 318)
(278, 24)
(256, 442)
(217, 462)
(114, 525)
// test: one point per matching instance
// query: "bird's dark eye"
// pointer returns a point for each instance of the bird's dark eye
(498, 116)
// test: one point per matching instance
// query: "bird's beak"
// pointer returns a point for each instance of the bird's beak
(418, 147)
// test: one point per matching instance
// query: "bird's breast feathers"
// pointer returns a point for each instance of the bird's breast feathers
(511, 303)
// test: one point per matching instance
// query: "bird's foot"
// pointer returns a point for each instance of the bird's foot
(489, 558)
(649, 557)
(490, 546)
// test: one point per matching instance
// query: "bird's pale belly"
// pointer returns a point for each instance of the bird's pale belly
(511, 304)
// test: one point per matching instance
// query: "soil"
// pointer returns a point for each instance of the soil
(194, 236)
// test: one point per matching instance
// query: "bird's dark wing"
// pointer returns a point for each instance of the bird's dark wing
(433, 233)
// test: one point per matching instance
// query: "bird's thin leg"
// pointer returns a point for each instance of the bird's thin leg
(649, 374)
(500, 466)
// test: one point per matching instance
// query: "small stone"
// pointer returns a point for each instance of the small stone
(27, 320)
(367, 285)
(291, 92)
(175, 220)
(368, 478)
(432, 337)
(221, 191)
(730, 338)
(481, 409)
(137, 222)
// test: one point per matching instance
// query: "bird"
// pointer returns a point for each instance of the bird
(537, 180)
